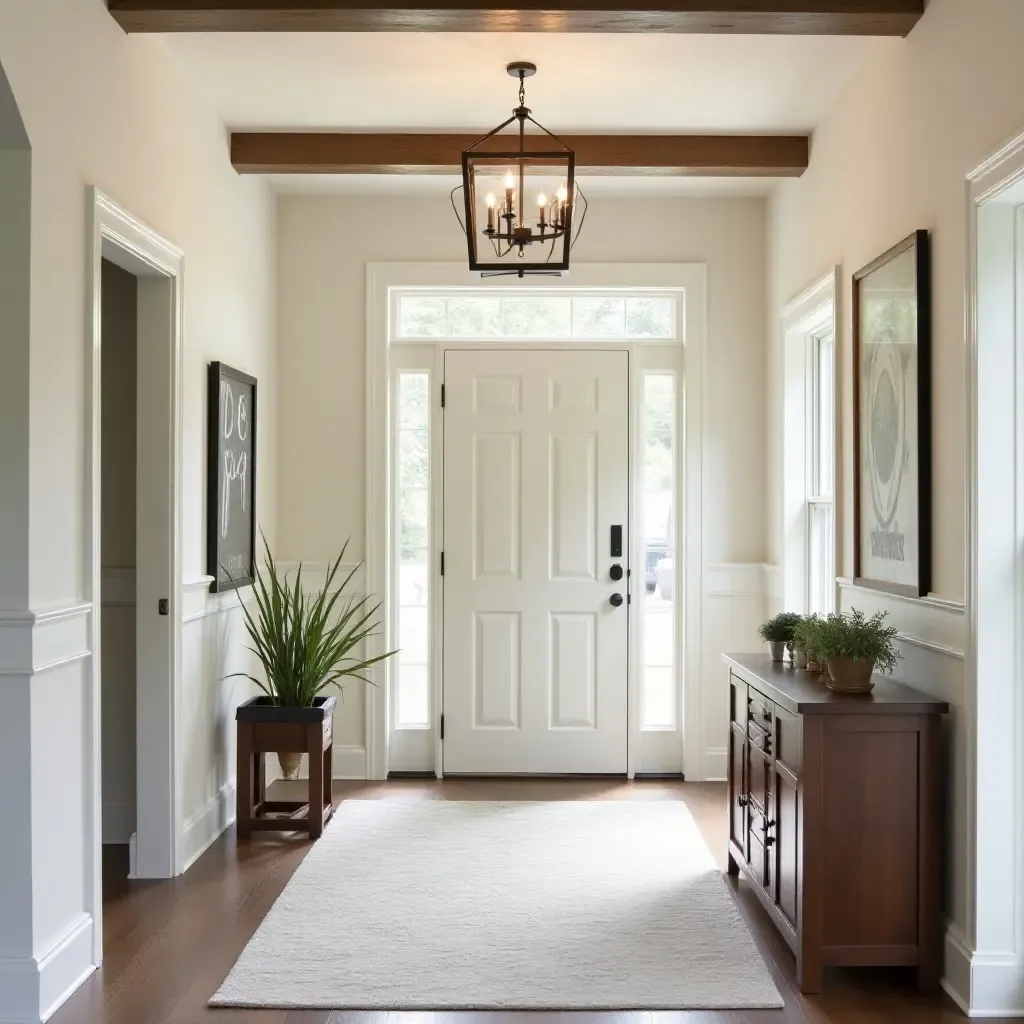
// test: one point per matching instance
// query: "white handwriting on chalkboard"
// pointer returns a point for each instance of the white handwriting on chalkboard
(234, 420)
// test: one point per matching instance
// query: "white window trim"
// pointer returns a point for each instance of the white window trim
(689, 278)
(806, 318)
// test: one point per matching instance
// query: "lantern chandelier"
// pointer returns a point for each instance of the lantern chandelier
(521, 203)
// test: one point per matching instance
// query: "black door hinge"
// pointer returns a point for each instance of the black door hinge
(442, 396)
(163, 606)
(442, 726)
(442, 563)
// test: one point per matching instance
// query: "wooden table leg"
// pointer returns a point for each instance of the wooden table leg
(244, 781)
(314, 747)
(329, 776)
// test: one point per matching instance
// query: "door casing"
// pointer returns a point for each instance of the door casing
(384, 281)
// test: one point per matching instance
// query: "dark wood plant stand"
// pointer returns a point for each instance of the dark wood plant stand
(264, 728)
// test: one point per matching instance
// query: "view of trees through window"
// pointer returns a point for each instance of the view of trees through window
(413, 508)
(550, 316)
(658, 697)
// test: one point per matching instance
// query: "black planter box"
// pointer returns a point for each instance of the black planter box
(262, 709)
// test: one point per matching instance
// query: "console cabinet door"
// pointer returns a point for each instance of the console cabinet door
(738, 787)
(786, 850)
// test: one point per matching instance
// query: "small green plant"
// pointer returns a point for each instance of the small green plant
(779, 628)
(854, 635)
(306, 642)
(804, 635)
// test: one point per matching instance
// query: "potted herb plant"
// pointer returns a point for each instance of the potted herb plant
(854, 646)
(804, 633)
(305, 644)
(778, 631)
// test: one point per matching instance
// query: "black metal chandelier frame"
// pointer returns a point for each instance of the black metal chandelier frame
(508, 229)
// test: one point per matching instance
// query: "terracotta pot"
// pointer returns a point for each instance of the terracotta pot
(851, 675)
(289, 764)
(778, 651)
(800, 659)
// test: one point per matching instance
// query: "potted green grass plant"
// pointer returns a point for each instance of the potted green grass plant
(305, 643)
(854, 646)
(778, 632)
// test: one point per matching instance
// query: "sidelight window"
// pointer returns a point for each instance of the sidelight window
(412, 515)
(659, 690)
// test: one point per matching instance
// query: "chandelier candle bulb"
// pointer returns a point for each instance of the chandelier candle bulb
(490, 212)
(542, 202)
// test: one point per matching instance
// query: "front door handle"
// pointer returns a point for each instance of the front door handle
(616, 600)
(616, 572)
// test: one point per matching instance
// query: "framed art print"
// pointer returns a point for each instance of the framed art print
(892, 420)
(231, 478)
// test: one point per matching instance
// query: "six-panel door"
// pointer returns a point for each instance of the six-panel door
(536, 476)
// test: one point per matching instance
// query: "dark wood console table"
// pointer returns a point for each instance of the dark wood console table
(835, 816)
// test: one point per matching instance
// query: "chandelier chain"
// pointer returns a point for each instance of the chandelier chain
(522, 89)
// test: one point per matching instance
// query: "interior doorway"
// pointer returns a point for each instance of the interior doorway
(118, 455)
(133, 540)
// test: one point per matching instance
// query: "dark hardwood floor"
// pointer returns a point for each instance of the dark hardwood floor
(169, 945)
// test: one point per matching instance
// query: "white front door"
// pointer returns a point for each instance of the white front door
(536, 488)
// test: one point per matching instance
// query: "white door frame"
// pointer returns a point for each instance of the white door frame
(115, 234)
(993, 979)
(689, 278)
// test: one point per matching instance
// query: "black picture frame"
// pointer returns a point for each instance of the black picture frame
(231, 468)
(886, 456)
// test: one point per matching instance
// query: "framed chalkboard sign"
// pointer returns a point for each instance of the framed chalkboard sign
(231, 478)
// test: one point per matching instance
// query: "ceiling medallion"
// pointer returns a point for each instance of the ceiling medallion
(521, 196)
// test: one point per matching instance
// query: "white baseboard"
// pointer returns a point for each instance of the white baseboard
(956, 969)
(983, 985)
(349, 763)
(32, 989)
(205, 826)
(715, 764)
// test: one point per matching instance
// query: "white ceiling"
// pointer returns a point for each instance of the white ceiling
(457, 82)
(437, 81)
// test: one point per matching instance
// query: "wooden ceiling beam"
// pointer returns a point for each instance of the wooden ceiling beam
(769, 17)
(630, 155)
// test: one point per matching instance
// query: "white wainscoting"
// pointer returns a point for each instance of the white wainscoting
(43, 657)
(932, 639)
(736, 601)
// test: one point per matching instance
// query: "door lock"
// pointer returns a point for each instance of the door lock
(616, 600)
(615, 572)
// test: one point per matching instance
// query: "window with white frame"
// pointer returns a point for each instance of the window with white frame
(548, 315)
(821, 475)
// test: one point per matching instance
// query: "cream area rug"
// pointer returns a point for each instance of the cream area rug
(437, 905)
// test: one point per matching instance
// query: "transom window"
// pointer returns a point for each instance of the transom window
(544, 315)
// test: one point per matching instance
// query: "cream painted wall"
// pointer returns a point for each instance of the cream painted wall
(892, 156)
(103, 109)
(325, 243)
(324, 246)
